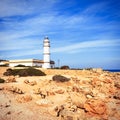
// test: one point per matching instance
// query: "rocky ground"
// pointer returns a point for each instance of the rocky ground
(87, 95)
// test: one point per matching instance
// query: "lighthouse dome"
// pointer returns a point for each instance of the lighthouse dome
(46, 38)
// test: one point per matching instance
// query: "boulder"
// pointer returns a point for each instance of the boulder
(26, 81)
(49, 93)
(37, 91)
(55, 110)
(95, 106)
(1, 88)
(69, 115)
(117, 95)
(32, 83)
(23, 99)
(10, 79)
(117, 83)
(96, 82)
(43, 102)
(41, 92)
(15, 90)
(78, 99)
(76, 88)
(59, 91)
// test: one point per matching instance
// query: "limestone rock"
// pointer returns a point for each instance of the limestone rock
(69, 115)
(53, 110)
(95, 106)
(117, 95)
(50, 92)
(15, 90)
(78, 99)
(23, 99)
(60, 78)
(1, 88)
(76, 88)
(89, 96)
(41, 92)
(59, 91)
(10, 79)
(37, 91)
(26, 81)
(43, 102)
(32, 83)
(117, 83)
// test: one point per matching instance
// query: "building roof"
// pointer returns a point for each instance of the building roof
(46, 40)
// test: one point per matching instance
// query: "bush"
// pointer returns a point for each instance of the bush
(65, 67)
(60, 78)
(20, 65)
(24, 72)
(2, 80)
(5, 65)
(56, 68)
(8, 72)
(88, 68)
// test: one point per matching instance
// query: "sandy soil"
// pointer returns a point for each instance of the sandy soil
(78, 96)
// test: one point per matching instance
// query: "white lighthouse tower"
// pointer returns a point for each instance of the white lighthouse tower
(46, 53)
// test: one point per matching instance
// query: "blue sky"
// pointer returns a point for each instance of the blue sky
(83, 33)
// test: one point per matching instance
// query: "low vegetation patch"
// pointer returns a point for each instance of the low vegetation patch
(24, 72)
(2, 80)
(20, 65)
(5, 65)
(65, 67)
(60, 78)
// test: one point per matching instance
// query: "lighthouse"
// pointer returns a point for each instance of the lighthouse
(46, 53)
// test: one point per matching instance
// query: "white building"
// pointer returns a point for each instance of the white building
(26, 62)
(4, 62)
(45, 63)
(29, 62)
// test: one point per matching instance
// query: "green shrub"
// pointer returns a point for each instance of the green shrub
(20, 65)
(88, 68)
(60, 78)
(2, 80)
(24, 72)
(8, 72)
(56, 68)
(5, 65)
(65, 67)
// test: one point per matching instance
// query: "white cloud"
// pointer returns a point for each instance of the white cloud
(74, 48)
(21, 44)
(88, 44)
(26, 53)
(24, 7)
(50, 21)
(95, 8)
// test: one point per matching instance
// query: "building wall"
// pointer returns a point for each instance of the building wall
(2, 63)
(30, 62)
(38, 64)
(21, 63)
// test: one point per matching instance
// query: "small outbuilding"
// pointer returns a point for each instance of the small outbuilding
(29, 62)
